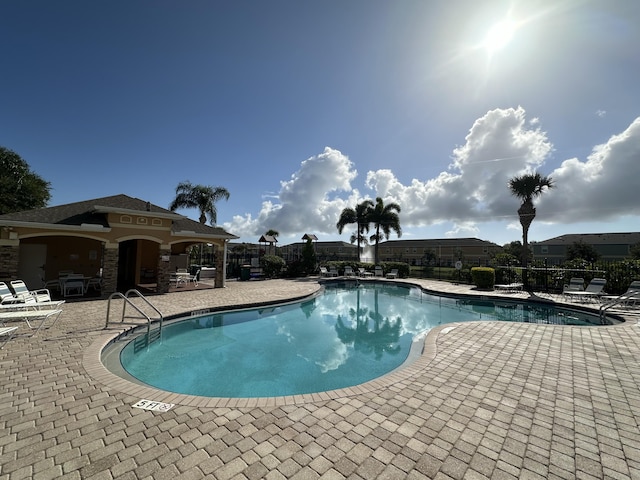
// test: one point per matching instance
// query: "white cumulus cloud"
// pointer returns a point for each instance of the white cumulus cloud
(473, 190)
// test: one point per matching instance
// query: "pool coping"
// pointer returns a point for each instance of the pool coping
(92, 362)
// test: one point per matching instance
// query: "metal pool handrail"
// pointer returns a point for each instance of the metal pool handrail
(128, 301)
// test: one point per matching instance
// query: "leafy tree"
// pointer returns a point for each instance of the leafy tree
(527, 187)
(582, 251)
(202, 197)
(385, 218)
(309, 259)
(359, 216)
(515, 249)
(21, 188)
(634, 250)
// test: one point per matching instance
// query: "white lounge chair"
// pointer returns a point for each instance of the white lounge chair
(348, 271)
(393, 273)
(324, 272)
(364, 273)
(378, 271)
(42, 297)
(509, 287)
(8, 332)
(630, 297)
(28, 314)
(6, 295)
(333, 272)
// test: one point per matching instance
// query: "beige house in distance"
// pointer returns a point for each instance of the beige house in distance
(128, 240)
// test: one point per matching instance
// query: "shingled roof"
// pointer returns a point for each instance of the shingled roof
(94, 212)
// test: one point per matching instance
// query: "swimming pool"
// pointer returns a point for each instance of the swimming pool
(352, 333)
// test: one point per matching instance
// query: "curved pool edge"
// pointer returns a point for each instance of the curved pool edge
(92, 362)
(93, 365)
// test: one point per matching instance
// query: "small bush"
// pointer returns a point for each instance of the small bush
(483, 277)
(272, 265)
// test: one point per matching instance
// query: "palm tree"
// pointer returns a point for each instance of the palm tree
(527, 187)
(359, 216)
(385, 218)
(202, 197)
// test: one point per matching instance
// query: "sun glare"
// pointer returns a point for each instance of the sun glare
(499, 36)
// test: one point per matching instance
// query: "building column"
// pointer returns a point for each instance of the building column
(9, 260)
(110, 268)
(221, 266)
(163, 277)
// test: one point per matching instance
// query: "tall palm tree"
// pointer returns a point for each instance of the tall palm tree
(527, 187)
(202, 197)
(359, 216)
(385, 218)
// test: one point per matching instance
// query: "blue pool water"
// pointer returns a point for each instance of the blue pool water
(346, 336)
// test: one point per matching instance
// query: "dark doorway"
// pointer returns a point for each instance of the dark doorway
(127, 265)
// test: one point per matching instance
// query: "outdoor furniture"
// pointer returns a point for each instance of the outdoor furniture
(364, 273)
(628, 298)
(8, 332)
(29, 315)
(393, 273)
(6, 295)
(509, 287)
(328, 273)
(41, 297)
(594, 291)
(378, 271)
(180, 278)
(576, 284)
(348, 271)
(73, 285)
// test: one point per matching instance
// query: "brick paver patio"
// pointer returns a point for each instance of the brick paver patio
(486, 400)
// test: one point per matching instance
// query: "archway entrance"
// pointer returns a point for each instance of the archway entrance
(137, 264)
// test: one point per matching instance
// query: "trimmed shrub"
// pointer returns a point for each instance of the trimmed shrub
(483, 277)
(272, 265)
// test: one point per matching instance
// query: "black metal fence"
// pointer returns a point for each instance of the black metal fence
(552, 279)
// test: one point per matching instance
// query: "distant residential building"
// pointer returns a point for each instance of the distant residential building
(439, 251)
(610, 246)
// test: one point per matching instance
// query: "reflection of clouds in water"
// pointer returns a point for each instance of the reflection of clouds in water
(315, 341)
(393, 303)
(315, 327)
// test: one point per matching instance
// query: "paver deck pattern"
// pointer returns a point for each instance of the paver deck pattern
(486, 400)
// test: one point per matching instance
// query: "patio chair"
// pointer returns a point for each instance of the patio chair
(364, 273)
(8, 332)
(348, 271)
(594, 290)
(333, 272)
(630, 297)
(378, 271)
(73, 285)
(40, 297)
(194, 278)
(28, 314)
(576, 284)
(6, 295)
(324, 272)
(393, 273)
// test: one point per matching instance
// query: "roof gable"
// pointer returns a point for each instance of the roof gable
(94, 212)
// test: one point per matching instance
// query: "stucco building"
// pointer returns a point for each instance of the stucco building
(127, 240)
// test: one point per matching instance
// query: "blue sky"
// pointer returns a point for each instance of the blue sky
(301, 109)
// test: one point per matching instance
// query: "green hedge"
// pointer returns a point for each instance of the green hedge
(483, 277)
